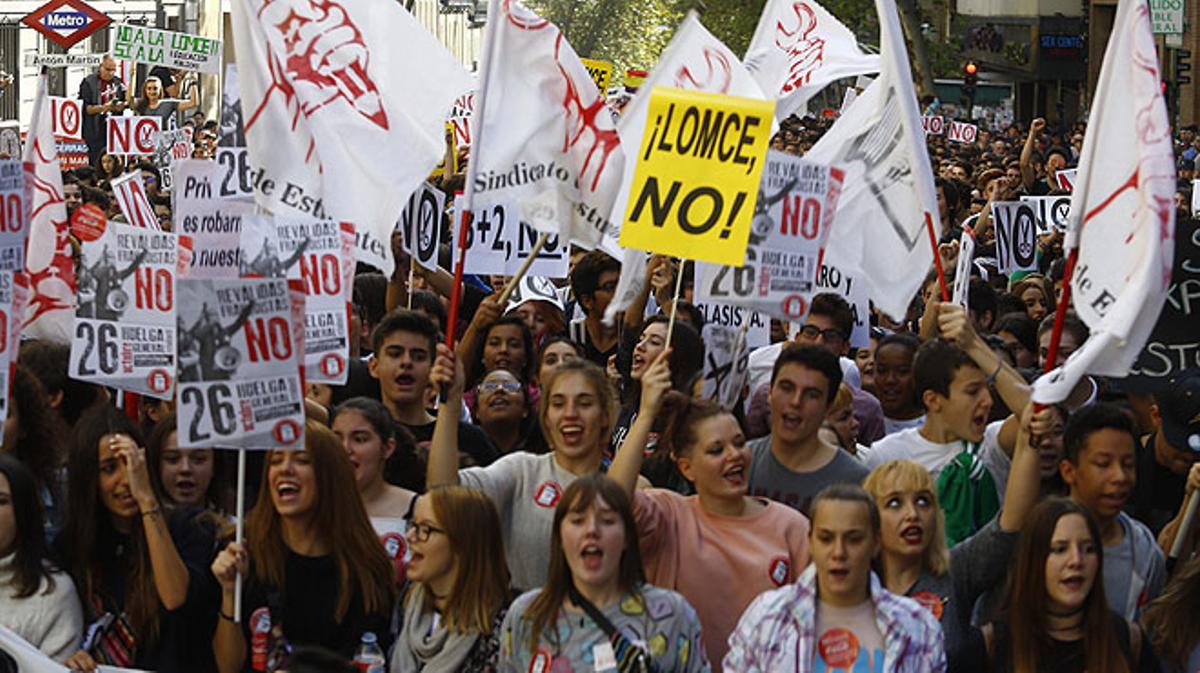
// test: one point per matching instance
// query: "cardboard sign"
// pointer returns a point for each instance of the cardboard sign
(71, 154)
(697, 174)
(1066, 178)
(460, 118)
(236, 180)
(125, 323)
(793, 213)
(832, 279)
(1174, 345)
(1053, 212)
(239, 364)
(601, 72)
(933, 125)
(961, 132)
(16, 200)
(422, 221)
(169, 147)
(498, 242)
(209, 225)
(66, 117)
(88, 222)
(153, 46)
(1016, 236)
(130, 193)
(758, 330)
(321, 256)
(14, 293)
(726, 364)
(962, 270)
(132, 135)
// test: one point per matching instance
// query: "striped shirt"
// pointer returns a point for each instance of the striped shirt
(777, 633)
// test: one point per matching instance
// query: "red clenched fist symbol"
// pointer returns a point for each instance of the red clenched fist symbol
(715, 78)
(580, 118)
(805, 52)
(326, 57)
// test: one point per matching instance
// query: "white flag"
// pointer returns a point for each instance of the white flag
(695, 60)
(543, 133)
(1122, 225)
(880, 232)
(344, 103)
(798, 49)
(50, 313)
(135, 205)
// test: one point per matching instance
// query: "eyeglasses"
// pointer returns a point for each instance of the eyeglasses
(812, 332)
(422, 531)
(493, 386)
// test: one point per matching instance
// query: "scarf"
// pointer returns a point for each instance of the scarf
(421, 647)
(967, 494)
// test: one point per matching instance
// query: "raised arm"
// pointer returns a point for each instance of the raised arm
(627, 464)
(443, 448)
(1024, 479)
(229, 643)
(1166, 538)
(955, 325)
(1027, 175)
(170, 573)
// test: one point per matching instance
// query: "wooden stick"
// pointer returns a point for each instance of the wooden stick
(512, 282)
(240, 526)
(675, 301)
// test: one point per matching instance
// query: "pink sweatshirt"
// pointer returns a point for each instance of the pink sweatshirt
(719, 563)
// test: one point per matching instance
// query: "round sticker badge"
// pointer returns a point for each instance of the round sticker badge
(547, 494)
(779, 570)
(931, 602)
(838, 648)
(540, 663)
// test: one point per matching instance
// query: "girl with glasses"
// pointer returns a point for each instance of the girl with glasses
(458, 591)
(502, 409)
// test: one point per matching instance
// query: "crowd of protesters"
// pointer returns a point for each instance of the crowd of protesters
(572, 502)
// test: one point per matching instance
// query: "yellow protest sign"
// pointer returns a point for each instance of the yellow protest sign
(697, 174)
(601, 72)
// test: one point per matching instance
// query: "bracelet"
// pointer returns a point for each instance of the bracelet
(999, 365)
(222, 615)
(151, 512)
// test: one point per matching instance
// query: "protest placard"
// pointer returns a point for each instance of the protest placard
(124, 334)
(320, 254)
(793, 213)
(236, 177)
(422, 221)
(698, 169)
(499, 242)
(16, 200)
(961, 132)
(758, 326)
(209, 224)
(239, 364)
(1066, 178)
(132, 135)
(962, 271)
(1174, 345)
(1052, 212)
(460, 118)
(601, 72)
(833, 279)
(28, 659)
(726, 364)
(169, 147)
(153, 46)
(66, 118)
(14, 293)
(135, 205)
(1016, 236)
(934, 125)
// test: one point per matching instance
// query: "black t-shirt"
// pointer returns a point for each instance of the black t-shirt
(1159, 491)
(1056, 656)
(306, 606)
(406, 466)
(184, 641)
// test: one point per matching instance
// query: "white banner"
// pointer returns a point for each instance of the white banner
(339, 117)
(209, 225)
(1123, 210)
(321, 256)
(153, 46)
(422, 218)
(132, 136)
(49, 259)
(1016, 236)
(240, 345)
(135, 205)
(793, 214)
(889, 200)
(798, 49)
(498, 242)
(67, 117)
(125, 323)
(16, 197)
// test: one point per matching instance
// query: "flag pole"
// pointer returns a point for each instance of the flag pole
(512, 282)
(675, 300)
(1184, 528)
(240, 525)
(937, 258)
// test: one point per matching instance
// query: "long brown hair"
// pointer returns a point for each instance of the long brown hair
(340, 520)
(1028, 602)
(600, 387)
(89, 525)
(582, 492)
(471, 523)
(1173, 635)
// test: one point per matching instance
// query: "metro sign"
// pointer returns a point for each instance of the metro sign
(66, 22)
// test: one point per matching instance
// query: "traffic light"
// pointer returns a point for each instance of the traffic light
(970, 79)
(1183, 65)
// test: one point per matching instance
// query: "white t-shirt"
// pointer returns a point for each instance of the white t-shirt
(391, 534)
(891, 425)
(848, 639)
(911, 445)
(762, 362)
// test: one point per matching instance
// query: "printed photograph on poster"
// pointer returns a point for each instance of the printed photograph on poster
(239, 365)
(124, 334)
(320, 256)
